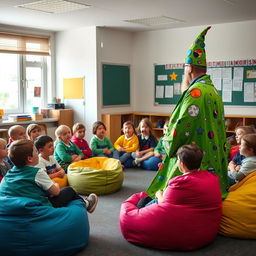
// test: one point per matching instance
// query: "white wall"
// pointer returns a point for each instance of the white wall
(76, 57)
(114, 47)
(223, 42)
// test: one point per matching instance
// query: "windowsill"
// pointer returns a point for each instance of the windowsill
(44, 120)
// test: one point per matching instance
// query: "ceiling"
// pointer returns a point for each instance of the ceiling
(112, 13)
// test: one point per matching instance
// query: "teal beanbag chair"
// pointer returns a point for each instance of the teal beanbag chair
(27, 228)
(99, 175)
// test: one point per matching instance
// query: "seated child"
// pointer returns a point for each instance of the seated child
(78, 139)
(126, 144)
(26, 180)
(248, 165)
(45, 147)
(189, 160)
(147, 142)
(33, 131)
(4, 165)
(66, 152)
(16, 132)
(240, 131)
(100, 144)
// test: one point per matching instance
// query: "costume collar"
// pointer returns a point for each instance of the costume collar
(144, 137)
(196, 79)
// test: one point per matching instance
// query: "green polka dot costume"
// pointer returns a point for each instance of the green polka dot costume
(197, 118)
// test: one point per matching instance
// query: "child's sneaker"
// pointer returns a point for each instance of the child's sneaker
(136, 162)
(92, 201)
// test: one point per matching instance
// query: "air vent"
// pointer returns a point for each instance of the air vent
(54, 6)
(154, 21)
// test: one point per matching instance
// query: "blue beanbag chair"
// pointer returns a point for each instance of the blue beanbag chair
(27, 228)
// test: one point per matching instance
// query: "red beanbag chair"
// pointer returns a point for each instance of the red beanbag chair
(188, 218)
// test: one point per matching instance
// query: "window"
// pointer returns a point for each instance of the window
(23, 72)
(23, 82)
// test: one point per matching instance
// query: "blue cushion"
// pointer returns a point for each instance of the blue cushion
(28, 228)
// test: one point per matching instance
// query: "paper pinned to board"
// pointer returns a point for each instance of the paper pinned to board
(73, 88)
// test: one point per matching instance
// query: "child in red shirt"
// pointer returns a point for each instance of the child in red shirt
(78, 139)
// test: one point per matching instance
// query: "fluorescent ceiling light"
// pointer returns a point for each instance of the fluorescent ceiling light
(154, 21)
(54, 6)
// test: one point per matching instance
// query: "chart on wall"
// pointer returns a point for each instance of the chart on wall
(235, 80)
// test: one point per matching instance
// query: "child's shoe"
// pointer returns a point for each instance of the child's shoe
(136, 162)
(92, 201)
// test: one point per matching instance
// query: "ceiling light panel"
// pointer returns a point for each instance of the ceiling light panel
(154, 21)
(54, 6)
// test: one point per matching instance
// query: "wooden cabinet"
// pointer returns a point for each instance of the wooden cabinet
(114, 122)
(64, 116)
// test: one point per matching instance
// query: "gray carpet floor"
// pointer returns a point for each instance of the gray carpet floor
(106, 238)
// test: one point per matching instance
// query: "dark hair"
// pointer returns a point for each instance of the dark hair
(19, 151)
(96, 125)
(131, 124)
(199, 69)
(42, 140)
(191, 155)
(250, 141)
(148, 123)
(77, 126)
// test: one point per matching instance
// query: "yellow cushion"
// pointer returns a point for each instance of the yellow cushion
(100, 175)
(63, 182)
(239, 209)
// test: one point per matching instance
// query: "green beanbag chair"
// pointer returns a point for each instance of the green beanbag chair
(99, 175)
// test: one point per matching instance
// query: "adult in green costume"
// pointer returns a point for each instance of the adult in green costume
(197, 118)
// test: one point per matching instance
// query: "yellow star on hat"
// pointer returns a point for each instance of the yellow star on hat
(173, 76)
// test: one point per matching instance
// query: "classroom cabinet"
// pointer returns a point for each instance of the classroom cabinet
(114, 122)
(64, 116)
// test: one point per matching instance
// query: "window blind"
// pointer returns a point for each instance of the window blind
(24, 44)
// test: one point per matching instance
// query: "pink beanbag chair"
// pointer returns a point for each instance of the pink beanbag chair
(188, 219)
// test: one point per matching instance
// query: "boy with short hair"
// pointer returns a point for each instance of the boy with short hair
(26, 180)
(45, 147)
(16, 132)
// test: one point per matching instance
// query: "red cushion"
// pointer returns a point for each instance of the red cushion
(188, 218)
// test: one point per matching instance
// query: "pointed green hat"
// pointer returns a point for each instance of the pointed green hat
(196, 54)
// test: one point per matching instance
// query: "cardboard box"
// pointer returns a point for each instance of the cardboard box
(37, 117)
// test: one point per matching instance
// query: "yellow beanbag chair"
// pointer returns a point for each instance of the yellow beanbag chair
(99, 175)
(239, 209)
(63, 182)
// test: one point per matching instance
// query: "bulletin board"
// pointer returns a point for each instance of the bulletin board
(73, 88)
(115, 84)
(235, 80)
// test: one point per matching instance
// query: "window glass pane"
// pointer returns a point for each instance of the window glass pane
(34, 58)
(33, 87)
(9, 81)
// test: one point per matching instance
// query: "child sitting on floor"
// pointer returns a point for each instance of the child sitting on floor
(45, 147)
(26, 180)
(189, 160)
(66, 152)
(33, 131)
(147, 142)
(248, 164)
(100, 144)
(126, 144)
(78, 139)
(4, 165)
(16, 132)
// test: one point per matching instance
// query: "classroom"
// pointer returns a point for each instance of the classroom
(121, 61)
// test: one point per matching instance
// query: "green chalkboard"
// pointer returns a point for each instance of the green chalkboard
(170, 76)
(115, 85)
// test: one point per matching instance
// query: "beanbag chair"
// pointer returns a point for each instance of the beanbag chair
(100, 175)
(28, 228)
(239, 208)
(188, 218)
(63, 182)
